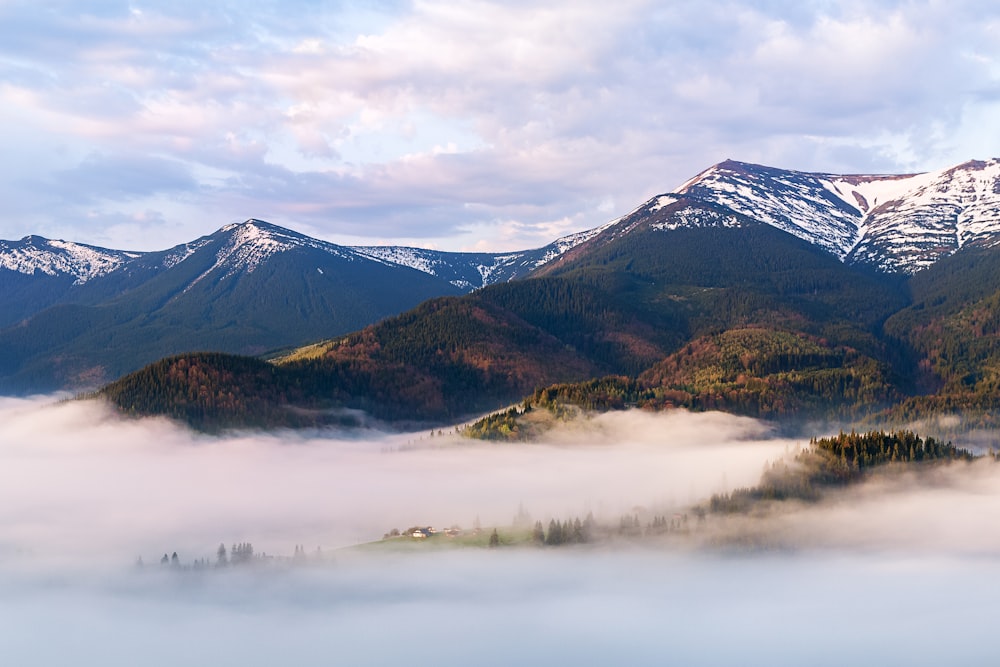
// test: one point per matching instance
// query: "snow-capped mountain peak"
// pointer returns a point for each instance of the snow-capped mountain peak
(894, 222)
(252, 242)
(246, 245)
(35, 254)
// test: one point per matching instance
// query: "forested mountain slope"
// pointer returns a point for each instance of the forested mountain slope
(618, 311)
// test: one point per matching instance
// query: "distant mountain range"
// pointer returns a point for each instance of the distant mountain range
(74, 316)
(749, 289)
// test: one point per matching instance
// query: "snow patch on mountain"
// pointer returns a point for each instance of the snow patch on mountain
(53, 258)
(566, 243)
(466, 271)
(660, 202)
(475, 270)
(182, 252)
(795, 202)
(488, 272)
(690, 217)
(427, 261)
(938, 213)
(248, 246)
(867, 192)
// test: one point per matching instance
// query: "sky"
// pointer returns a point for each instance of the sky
(461, 125)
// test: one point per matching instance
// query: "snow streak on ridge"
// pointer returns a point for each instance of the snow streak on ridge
(470, 271)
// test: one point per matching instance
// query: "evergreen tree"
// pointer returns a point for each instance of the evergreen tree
(538, 533)
(555, 535)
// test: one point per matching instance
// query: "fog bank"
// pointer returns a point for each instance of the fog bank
(521, 607)
(77, 482)
(895, 571)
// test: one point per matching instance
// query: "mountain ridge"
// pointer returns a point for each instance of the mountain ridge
(73, 316)
(865, 218)
(52, 257)
(254, 240)
(254, 287)
(895, 222)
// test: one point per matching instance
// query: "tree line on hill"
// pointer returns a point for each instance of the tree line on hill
(839, 461)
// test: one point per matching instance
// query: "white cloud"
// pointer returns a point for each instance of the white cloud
(455, 124)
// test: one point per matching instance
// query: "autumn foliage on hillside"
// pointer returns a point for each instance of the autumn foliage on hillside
(445, 360)
(754, 371)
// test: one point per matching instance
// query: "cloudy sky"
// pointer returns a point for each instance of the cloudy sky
(461, 126)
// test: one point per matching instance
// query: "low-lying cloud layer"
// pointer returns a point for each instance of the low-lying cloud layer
(900, 571)
(77, 482)
(501, 608)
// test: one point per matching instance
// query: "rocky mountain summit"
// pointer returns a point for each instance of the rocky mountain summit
(894, 223)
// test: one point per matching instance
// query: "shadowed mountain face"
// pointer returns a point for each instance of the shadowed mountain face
(75, 316)
(247, 288)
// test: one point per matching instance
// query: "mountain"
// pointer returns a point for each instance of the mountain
(75, 316)
(893, 223)
(757, 290)
(247, 288)
(36, 272)
(618, 309)
(469, 271)
(953, 326)
(760, 291)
